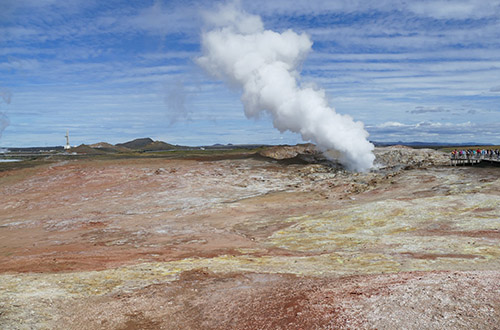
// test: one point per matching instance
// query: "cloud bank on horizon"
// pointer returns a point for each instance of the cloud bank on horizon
(264, 64)
(113, 71)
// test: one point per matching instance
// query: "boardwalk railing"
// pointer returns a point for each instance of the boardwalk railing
(473, 159)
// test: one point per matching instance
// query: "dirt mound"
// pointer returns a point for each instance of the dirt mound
(288, 152)
(302, 154)
(394, 156)
(386, 157)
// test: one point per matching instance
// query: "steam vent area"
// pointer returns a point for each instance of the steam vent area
(282, 237)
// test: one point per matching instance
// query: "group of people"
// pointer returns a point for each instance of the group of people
(476, 153)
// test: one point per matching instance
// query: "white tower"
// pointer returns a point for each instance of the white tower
(67, 146)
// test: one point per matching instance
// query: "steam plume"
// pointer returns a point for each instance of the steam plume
(264, 64)
(6, 95)
(4, 120)
(175, 100)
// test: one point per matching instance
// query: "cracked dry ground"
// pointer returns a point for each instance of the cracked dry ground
(245, 243)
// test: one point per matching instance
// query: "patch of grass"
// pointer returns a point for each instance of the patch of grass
(26, 163)
(192, 154)
(197, 153)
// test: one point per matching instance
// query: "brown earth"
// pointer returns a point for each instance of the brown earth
(250, 243)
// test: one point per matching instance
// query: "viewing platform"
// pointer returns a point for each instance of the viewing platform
(472, 160)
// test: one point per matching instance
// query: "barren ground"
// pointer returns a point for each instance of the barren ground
(249, 243)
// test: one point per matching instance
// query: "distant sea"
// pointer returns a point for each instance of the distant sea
(9, 160)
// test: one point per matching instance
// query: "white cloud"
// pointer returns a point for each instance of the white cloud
(461, 9)
(391, 124)
(430, 131)
(377, 60)
(440, 9)
(164, 19)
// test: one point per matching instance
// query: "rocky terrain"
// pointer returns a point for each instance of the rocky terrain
(282, 239)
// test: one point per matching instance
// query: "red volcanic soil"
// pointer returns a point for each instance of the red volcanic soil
(201, 243)
(202, 300)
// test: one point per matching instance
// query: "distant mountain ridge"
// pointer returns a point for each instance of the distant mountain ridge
(136, 144)
(108, 147)
(146, 144)
(149, 145)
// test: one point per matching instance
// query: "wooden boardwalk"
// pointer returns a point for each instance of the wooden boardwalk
(472, 160)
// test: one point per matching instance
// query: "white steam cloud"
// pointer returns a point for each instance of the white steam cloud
(265, 65)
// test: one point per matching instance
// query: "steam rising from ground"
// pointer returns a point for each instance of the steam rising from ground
(4, 120)
(264, 64)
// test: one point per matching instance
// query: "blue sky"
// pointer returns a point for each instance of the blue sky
(118, 70)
